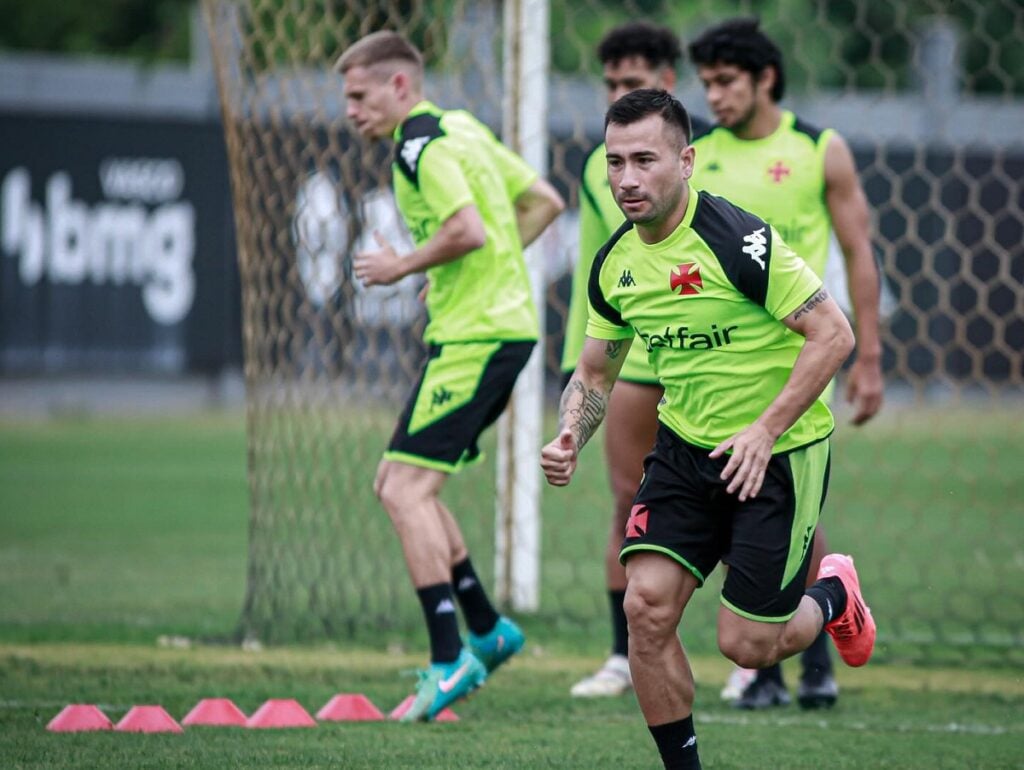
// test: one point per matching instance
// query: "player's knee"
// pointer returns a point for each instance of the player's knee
(650, 615)
(392, 494)
(747, 651)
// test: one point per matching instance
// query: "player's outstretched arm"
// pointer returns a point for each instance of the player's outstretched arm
(458, 235)
(828, 340)
(536, 208)
(848, 209)
(583, 406)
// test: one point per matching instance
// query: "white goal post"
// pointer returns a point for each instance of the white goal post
(524, 129)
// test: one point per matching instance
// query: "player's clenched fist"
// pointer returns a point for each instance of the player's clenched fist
(378, 268)
(558, 459)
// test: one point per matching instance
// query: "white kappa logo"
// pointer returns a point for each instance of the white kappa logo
(445, 605)
(755, 247)
(411, 151)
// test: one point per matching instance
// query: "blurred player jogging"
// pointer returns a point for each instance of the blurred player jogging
(471, 205)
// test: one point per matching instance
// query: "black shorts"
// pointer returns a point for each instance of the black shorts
(463, 388)
(683, 511)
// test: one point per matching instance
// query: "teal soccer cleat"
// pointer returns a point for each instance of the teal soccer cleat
(441, 684)
(499, 644)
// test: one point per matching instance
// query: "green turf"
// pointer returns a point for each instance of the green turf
(889, 717)
(121, 529)
(126, 530)
(114, 533)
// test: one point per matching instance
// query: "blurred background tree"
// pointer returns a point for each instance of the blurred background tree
(868, 46)
(141, 29)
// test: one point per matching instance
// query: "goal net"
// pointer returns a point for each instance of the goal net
(927, 495)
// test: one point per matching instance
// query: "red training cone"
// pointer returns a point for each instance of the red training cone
(446, 714)
(148, 719)
(349, 708)
(216, 712)
(79, 718)
(280, 713)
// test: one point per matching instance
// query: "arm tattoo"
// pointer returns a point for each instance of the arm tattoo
(582, 410)
(812, 303)
(613, 348)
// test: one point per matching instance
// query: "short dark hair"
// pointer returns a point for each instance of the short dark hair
(637, 105)
(658, 45)
(740, 42)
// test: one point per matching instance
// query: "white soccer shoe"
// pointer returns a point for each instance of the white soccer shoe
(737, 683)
(613, 678)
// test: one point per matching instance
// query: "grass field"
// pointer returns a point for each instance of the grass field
(890, 717)
(115, 533)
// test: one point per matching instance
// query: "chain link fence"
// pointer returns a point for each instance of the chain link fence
(928, 495)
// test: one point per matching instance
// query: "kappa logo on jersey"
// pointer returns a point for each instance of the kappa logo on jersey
(626, 279)
(440, 396)
(637, 524)
(411, 150)
(686, 278)
(756, 246)
(778, 172)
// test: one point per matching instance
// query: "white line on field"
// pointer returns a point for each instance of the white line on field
(825, 724)
(55, 704)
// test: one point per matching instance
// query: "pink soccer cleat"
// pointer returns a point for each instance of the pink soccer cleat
(854, 631)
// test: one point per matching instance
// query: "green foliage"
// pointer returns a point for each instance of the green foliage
(139, 29)
(313, 33)
(854, 44)
(851, 44)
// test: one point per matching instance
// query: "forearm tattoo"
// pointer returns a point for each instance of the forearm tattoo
(582, 410)
(810, 304)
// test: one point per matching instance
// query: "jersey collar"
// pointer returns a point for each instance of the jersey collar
(424, 105)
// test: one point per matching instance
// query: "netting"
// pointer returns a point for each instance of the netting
(928, 495)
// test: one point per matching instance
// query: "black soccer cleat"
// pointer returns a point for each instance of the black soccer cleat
(817, 690)
(763, 693)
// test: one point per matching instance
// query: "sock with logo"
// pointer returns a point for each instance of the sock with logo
(442, 623)
(620, 628)
(476, 607)
(677, 744)
(816, 659)
(830, 595)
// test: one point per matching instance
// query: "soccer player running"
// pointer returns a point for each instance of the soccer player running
(803, 181)
(634, 55)
(471, 205)
(744, 339)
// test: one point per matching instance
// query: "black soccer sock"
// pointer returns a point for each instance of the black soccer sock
(830, 594)
(442, 623)
(772, 673)
(677, 744)
(477, 608)
(620, 628)
(816, 659)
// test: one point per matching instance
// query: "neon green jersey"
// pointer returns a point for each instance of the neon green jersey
(600, 217)
(445, 161)
(781, 178)
(706, 304)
